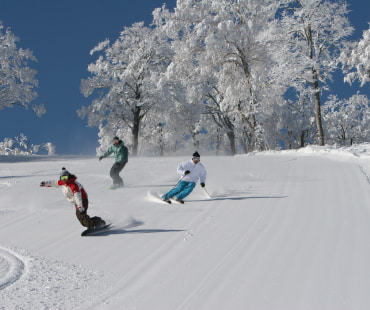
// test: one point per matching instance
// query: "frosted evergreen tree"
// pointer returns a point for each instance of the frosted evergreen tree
(17, 80)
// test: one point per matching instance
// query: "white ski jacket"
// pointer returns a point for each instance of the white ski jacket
(197, 171)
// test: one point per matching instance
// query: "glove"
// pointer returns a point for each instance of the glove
(186, 172)
(202, 184)
(81, 209)
(100, 158)
(42, 184)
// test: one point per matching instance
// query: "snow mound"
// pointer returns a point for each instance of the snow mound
(345, 152)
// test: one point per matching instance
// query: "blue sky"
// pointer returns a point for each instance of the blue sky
(61, 35)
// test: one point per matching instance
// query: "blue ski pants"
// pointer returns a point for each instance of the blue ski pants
(182, 190)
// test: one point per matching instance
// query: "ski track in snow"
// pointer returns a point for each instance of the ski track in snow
(222, 261)
(366, 174)
(11, 268)
(4, 185)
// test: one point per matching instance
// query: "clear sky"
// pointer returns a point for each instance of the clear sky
(61, 34)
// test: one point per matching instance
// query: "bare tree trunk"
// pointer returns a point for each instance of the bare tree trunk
(251, 119)
(302, 138)
(223, 121)
(135, 130)
(320, 130)
(218, 141)
(231, 136)
(316, 88)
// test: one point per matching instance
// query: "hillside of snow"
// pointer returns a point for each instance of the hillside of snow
(283, 230)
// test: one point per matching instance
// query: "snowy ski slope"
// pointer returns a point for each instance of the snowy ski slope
(284, 230)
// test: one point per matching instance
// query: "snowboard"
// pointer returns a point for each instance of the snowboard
(89, 232)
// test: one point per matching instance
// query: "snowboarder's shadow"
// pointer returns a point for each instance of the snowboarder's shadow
(127, 229)
(121, 231)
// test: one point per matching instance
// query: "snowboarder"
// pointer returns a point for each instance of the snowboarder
(76, 194)
(190, 172)
(121, 157)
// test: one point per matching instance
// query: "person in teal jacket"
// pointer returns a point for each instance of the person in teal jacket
(121, 158)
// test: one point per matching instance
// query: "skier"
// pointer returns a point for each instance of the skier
(76, 194)
(190, 172)
(121, 157)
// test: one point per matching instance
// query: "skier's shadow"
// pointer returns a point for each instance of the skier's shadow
(218, 198)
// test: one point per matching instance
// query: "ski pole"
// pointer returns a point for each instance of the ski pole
(207, 192)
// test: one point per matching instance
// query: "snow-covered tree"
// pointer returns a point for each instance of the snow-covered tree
(315, 32)
(348, 121)
(188, 106)
(225, 45)
(156, 141)
(356, 60)
(6, 146)
(180, 112)
(49, 147)
(246, 73)
(222, 115)
(297, 123)
(21, 145)
(124, 80)
(17, 80)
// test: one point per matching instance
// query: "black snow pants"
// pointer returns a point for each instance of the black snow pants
(86, 220)
(114, 173)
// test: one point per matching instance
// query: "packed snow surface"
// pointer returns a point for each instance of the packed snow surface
(283, 230)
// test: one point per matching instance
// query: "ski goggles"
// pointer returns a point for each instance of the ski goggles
(196, 158)
(64, 177)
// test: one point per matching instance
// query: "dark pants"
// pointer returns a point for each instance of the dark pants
(86, 220)
(114, 173)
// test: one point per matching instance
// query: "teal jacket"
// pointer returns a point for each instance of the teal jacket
(120, 152)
